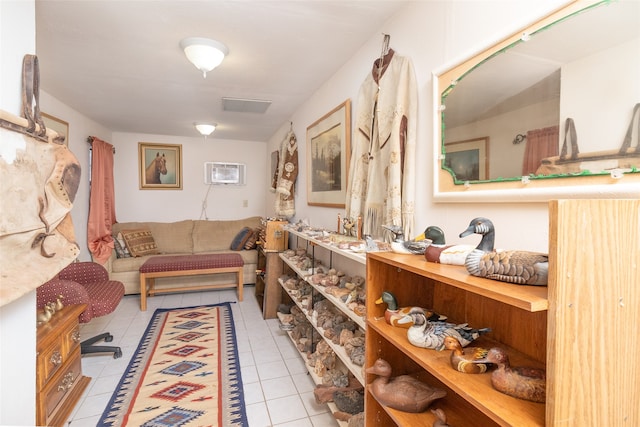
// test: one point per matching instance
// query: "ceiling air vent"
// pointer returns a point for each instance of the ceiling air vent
(240, 105)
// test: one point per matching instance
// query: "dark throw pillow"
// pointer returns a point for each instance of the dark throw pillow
(241, 239)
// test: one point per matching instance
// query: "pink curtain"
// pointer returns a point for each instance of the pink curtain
(541, 143)
(102, 208)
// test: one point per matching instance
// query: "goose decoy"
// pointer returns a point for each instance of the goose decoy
(522, 382)
(393, 313)
(466, 359)
(438, 251)
(416, 246)
(427, 334)
(513, 266)
(404, 392)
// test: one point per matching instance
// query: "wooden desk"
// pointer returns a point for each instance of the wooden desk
(59, 379)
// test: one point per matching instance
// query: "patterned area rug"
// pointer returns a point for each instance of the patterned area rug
(185, 372)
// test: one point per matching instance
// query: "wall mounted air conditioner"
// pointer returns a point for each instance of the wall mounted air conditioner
(224, 173)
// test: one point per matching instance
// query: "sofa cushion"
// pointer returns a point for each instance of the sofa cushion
(140, 242)
(170, 237)
(238, 242)
(129, 264)
(211, 236)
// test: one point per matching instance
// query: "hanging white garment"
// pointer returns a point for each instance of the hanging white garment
(381, 185)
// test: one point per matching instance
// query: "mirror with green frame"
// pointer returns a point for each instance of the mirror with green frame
(557, 100)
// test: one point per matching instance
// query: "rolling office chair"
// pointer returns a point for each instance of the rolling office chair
(86, 283)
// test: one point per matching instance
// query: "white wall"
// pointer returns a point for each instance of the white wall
(433, 34)
(222, 201)
(602, 100)
(17, 319)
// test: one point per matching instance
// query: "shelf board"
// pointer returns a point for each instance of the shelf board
(529, 298)
(476, 389)
(303, 274)
(337, 302)
(355, 256)
(317, 380)
(420, 419)
(340, 305)
(339, 350)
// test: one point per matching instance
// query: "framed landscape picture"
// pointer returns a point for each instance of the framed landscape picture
(468, 160)
(160, 166)
(328, 155)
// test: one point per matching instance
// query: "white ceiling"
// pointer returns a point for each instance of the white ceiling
(119, 63)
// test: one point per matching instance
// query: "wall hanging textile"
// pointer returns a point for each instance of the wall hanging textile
(39, 178)
(381, 185)
(287, 171)
(102, 201)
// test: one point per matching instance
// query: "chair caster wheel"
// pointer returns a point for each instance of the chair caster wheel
(108, 338)
(117, 354)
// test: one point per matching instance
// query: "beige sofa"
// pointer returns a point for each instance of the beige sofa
(184, 238)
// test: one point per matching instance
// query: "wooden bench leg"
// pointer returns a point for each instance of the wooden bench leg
(143, 292)
(240, 283)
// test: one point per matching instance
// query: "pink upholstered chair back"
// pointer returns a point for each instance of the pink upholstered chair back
(83, 283)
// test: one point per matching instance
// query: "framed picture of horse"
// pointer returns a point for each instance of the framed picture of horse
(160, 166)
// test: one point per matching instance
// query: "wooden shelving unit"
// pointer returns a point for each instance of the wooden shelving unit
(268, 292)
(594, 274)
(330, 256)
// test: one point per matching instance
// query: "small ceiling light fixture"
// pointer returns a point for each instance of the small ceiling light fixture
(205, 129)
(205, 54)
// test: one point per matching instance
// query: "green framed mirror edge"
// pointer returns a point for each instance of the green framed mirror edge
(532, 187)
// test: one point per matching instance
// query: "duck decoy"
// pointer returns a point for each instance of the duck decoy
(59, 305)
(416, 246)
(45, 315)
(512, 266)
(404, 392)
(427, 334)
(466, 359)
(522, 382)
(441, 418)
(438, 251)
(393, 313)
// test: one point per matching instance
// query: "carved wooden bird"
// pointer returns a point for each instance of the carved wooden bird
(466, 359)
(393, 313)
(416, 246)
(513, 266)
(439, 252)
(404, 392)
(521, 382)
(427, 334)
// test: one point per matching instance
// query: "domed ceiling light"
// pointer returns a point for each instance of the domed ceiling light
(205, 54)
(205, 129)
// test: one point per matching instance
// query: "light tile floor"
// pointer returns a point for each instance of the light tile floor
(277, 388)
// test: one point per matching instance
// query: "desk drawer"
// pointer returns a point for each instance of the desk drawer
(57, 389)
(72, 339)
(49, 360)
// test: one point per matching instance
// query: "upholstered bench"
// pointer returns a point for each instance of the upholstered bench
(188, 265)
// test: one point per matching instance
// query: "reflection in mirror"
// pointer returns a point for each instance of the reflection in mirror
(575, 82)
